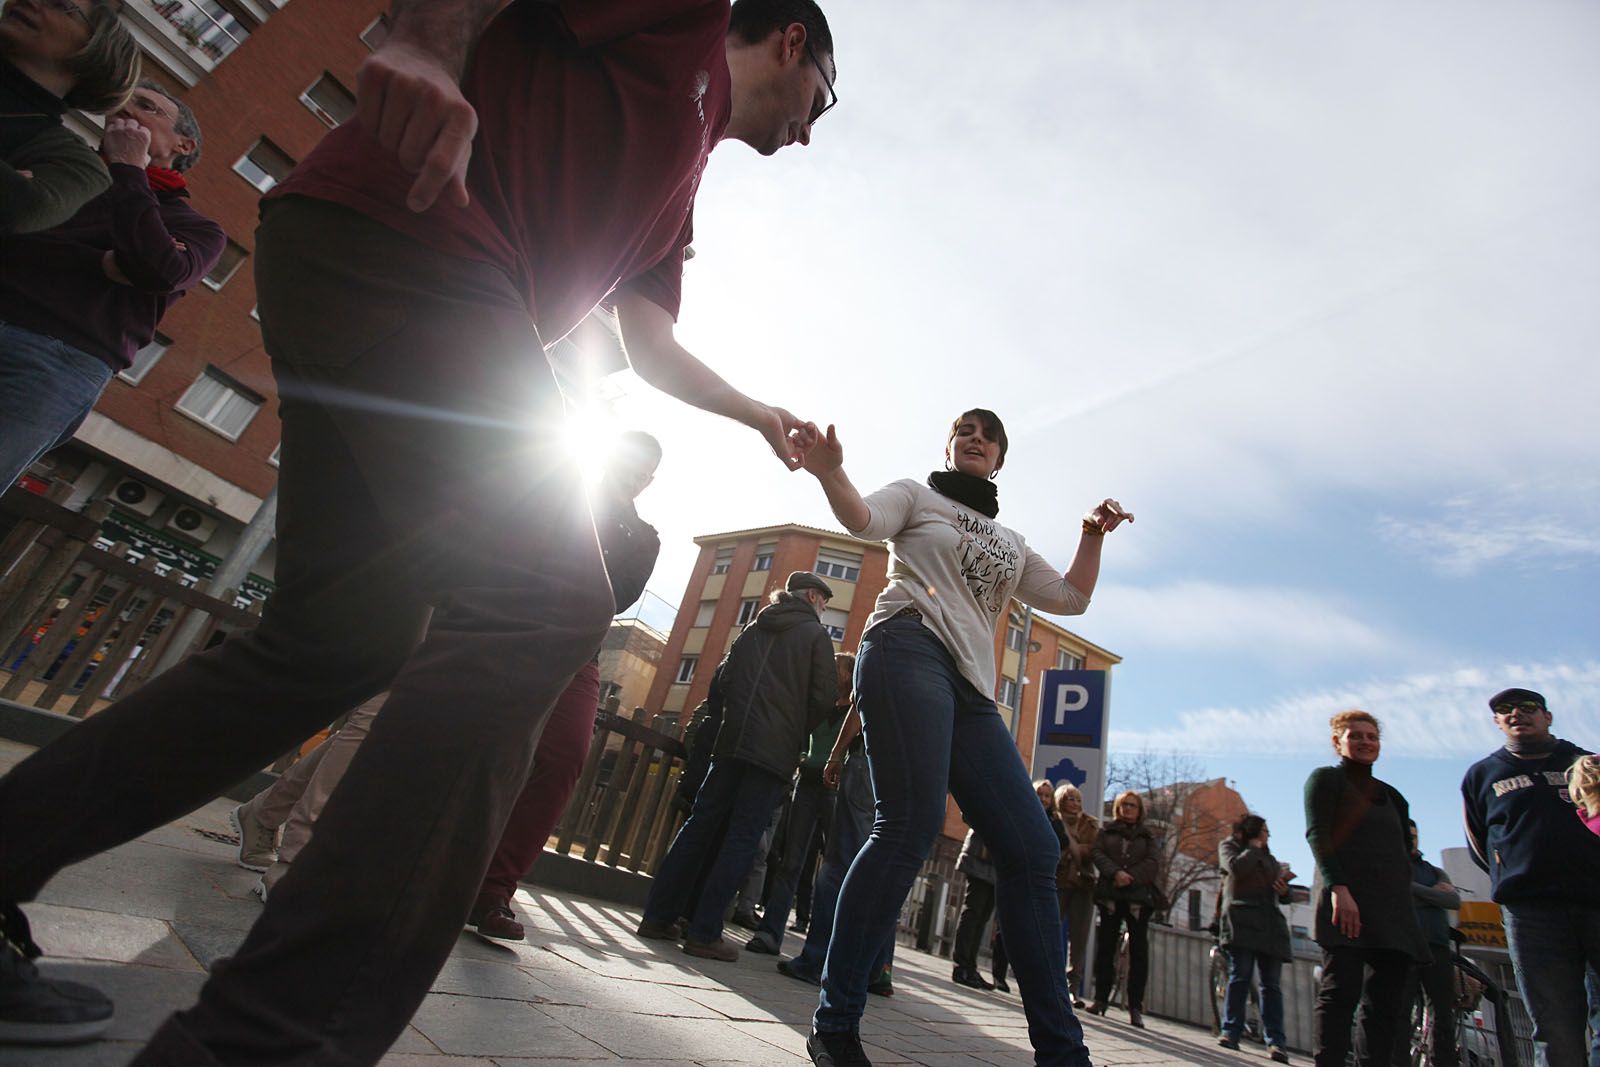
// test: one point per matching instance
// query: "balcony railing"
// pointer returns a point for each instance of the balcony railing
(203, 28)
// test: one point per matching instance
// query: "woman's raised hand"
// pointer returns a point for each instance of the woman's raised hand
(825, 455)
(1108, 515)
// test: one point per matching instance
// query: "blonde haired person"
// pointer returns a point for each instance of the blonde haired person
(55, 55)
(1125, 892)
(1368, 930)
(1583, 782)
(1075, 878)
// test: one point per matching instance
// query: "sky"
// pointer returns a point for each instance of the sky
(1311, 289)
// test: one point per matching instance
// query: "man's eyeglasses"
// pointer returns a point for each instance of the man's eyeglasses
(833, 97)
(67, 7)
(1502, 710)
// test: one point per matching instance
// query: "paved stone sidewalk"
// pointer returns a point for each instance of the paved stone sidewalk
(145, 921)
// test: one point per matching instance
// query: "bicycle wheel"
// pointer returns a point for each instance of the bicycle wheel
(1419, 1046)
(1219, 986)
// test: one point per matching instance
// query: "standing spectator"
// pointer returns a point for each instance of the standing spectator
(810, 807)
(977, 905)
(1075, 879)
(56, 54)
(778, 683)
(853, 812)
(1125, 855)
(1544, 869)
(1254, 932)
(1434, 898)
(432, 534)
(1366, 926)
(78, 300)
(926, 683)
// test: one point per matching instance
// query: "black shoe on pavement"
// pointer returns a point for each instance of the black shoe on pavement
(35, 1010)
(1277, 1054)
(762, 943)
(1228, 1041)
(1000, 984)
(659, 931)
(1097, 1008)
(799, 926)
(789, 970)
(836, 1050)
(746, 919)
(1136, 1018)
(970, 978)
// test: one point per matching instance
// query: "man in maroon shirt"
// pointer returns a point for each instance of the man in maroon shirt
(431, 533)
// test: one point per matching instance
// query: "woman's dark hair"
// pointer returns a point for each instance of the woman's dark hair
(1248, 828)
(991, 425)
(754, 20)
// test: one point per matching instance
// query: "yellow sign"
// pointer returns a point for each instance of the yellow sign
(1480, 922)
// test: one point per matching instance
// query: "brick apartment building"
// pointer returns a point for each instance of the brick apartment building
(734, 576)
(185, 441)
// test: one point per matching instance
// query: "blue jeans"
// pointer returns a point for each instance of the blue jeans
(1240, 963)
(812, 803)
(929, 731)
(852, 822)
(46, 390)
(1552, 948)
(740, 795)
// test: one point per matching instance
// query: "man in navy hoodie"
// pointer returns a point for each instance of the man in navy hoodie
(1544, 866)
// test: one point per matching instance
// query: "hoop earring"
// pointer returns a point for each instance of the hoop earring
(994, 474)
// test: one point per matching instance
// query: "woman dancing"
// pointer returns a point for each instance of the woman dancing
(925, 677)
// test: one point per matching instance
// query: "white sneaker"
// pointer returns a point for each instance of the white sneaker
(258, 843)
(259, 890)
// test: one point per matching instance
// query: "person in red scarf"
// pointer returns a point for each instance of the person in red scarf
(79, 299)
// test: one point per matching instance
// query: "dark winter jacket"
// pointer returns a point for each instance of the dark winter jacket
(630, 546)
(53, 283)
(699, 740)
(1076, 869)
(974, 860)
(1432, 903)
(64, 173)
(1250, 916)
(778, 684)
(1131, 848)
(1524, 831)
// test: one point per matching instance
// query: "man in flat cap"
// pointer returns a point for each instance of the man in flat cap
(775, 687)
(1544, 866)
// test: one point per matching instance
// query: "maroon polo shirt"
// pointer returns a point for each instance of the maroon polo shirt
(594, 123)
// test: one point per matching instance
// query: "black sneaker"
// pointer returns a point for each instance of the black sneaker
(788, 969)
(35, 1010)
(837, 1050)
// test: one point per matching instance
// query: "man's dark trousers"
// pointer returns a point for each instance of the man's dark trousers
(409, 486)
(976, 907)
(810, 806)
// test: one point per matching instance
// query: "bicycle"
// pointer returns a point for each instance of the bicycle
(1476, 1048)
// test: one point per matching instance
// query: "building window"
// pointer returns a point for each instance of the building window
(686, 668)
(1013, 639)
(233, 257)
(702, 617)
(764, 555)
(265, 165)
(1008, 692)
(329, 101)
(1066, 661)
(144, 359)
(376, 33)
(747, 610)
(841, 565)
(221, 403)
(723, 561)
(834, 621)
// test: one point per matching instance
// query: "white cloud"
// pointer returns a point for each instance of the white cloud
(1439, 715)
(1274, 623)
(1469, 532)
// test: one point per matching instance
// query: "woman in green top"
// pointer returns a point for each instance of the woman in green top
(1356, 825)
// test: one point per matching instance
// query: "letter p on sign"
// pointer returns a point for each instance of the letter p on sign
(1070, 698)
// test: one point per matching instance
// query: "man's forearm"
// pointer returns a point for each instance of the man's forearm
(447, 29)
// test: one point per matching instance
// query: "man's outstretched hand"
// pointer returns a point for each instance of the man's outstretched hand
(788, 436)
(411, 103)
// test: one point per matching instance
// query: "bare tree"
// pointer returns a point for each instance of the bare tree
(1189, 814)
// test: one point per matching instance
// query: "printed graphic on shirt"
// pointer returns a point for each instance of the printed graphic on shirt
(702, 82)
(1512, 784)
(988, 560)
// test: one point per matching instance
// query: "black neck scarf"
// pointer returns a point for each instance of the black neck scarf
(977, 493)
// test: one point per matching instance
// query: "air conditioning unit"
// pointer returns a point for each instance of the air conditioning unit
(192, 523)
(133, 495)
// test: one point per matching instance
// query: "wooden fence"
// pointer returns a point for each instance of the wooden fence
(78, 622)
(622, 812)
